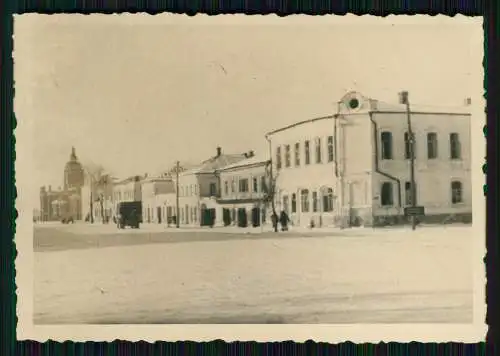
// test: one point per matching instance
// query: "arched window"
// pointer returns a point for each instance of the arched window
(456, 192)
(386, 194)
(386, 143)
(455, 149)
(294, 203)
(304, 200)
(328, 200)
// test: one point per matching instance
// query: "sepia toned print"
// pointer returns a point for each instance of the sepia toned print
(249, 178)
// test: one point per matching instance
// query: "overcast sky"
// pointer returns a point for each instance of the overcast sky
(135, 93)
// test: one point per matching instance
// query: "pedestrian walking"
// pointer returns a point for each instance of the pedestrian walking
(274, 220)
(284, 220)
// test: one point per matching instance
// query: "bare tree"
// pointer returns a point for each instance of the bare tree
(98, 178)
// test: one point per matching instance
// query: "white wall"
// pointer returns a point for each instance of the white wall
(235, 175)
(432, 176)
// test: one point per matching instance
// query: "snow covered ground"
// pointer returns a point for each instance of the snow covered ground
(380, 276)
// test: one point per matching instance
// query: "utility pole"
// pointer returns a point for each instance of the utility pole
(411, 138)
(91, 206)
(177, 167)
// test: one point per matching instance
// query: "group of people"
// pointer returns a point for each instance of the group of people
(282, 219)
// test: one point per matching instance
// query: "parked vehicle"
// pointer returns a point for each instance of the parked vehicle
(129, 214)
(68, 220)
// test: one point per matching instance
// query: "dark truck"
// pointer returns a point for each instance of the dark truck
(129, 214)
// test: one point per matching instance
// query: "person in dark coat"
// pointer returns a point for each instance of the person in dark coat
(274, 220)
(284, 220)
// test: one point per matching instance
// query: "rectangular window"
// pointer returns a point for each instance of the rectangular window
(278, 157)
(386, 143)
(255, 185)
(263, 184)
(243, 185)
(456, 192)
(233, 186)
(307, 153)
(297, 154)
(213, 189)
(455, 149)
(330, 148)
(287, 156)
(304, 200)
(226, 187)
(315, 201)
(432, 145)
(318, 150)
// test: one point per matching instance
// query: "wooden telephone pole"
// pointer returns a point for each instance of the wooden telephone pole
(177, 167)
(411, 141)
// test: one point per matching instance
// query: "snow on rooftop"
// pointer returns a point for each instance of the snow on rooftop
(248, 162)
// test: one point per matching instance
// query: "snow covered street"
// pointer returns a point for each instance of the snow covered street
(377, 276)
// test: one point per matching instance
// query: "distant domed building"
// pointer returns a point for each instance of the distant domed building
(73, 173)
(66, 202)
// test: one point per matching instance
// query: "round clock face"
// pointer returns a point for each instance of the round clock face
(353, 103)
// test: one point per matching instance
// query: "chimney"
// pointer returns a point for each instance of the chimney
(219, 151)
(251, 153)
(403, 97)
(467, 101)
(50, 188)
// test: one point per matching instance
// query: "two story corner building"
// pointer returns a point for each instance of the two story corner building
(243, 191)
(353, 167)
(199, 189)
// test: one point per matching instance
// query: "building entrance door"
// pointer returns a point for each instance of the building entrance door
(158, 212)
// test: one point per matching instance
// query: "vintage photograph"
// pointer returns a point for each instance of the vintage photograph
(230, 170)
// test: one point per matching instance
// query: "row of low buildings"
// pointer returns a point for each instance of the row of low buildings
(211, 193)
(348, 168)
